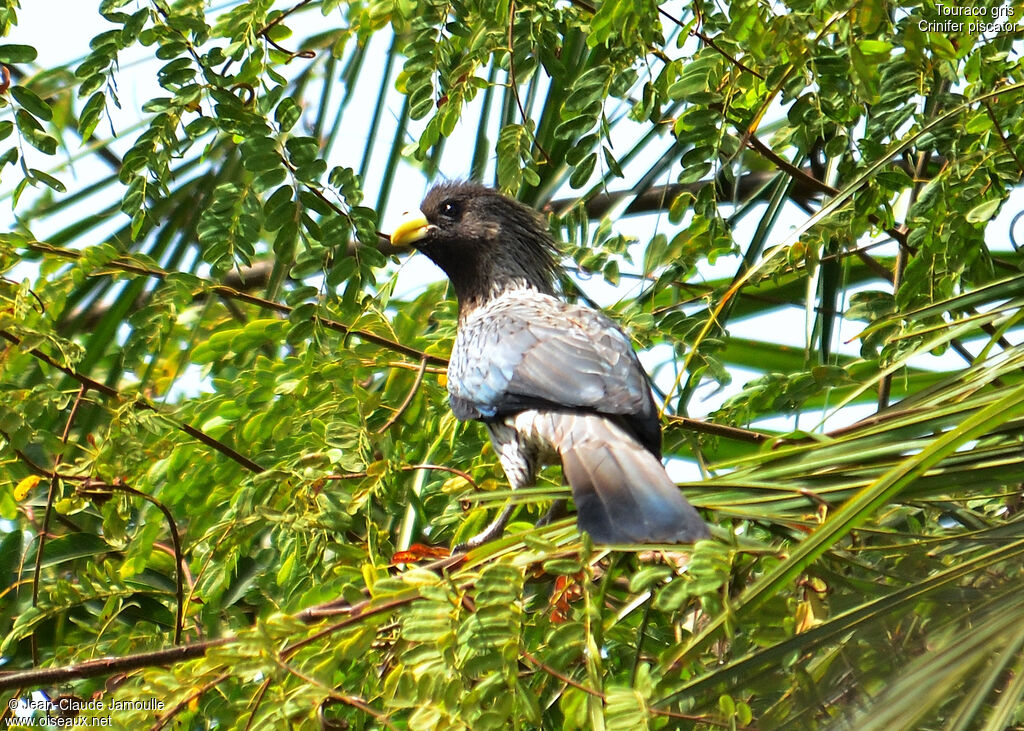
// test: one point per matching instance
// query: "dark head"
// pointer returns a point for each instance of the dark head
(485, 243)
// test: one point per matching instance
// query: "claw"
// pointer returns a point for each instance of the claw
(494, 530)
(557, 510)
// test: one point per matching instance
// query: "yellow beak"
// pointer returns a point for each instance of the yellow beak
(410, 229)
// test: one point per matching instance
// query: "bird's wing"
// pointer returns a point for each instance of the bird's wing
(538, 352)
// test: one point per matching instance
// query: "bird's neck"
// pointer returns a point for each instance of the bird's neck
(478, 280)
(480, 293)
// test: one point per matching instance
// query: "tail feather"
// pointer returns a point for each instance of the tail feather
(621, 490)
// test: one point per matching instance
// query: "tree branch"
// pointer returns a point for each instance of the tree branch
(51, 498)
(221, 290)
(138, 403)
(107, 665)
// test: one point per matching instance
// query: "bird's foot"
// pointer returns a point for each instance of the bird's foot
(557, 510)
(494, 530)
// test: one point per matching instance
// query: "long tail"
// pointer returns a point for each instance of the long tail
(622, 492)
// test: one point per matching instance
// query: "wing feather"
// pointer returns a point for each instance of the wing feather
(532, 350)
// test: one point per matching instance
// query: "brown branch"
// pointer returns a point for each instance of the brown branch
(308, 53)
(365, 607)
(711, 42)
(348, 700)
(1002, 136)
(873, 265)
(410, 366)
(221, 290)
(16, 285)
(798, 174)
(598, 694)
(138, 403)
(107, 665)
(708, 39)
(163, 719)
(93, 490)
(284, 14)
(355, 611)
(885, 385)
(408, 468)
(719, 430)
(51, 498)
(91, 487)
(514, 85)
(587, 7)
(898, 232)
(38, 469)
(408, 399)
(955, 344)
(248, 278)
(256, 701)
(653, 199)
(560, 676)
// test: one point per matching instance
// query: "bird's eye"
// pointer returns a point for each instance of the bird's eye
(451, 210)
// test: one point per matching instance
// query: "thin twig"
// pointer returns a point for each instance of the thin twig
(36, 297)
(284, 14)
(408, 398)
(121, 264)
(561, 676)
(597, 694)
(307, 54)
(164, 718)
(256, 701)
(408, 468)
(514, 85)
(709, 40)
(885, 385)
(719, 430)
(1002, 136)
(898, 232)
(348, 700)
(179, 558)
(264, 33)
(366, 606)
(92, 487)
(355, 611)
(587, 7)
(51, 498)
(436, 370)
(138, 403)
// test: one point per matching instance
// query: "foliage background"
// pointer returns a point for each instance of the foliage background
(225, 445)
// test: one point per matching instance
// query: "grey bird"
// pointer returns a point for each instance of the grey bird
(550, 380)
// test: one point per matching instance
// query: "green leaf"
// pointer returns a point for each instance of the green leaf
(33, 132)
(13, 53)
(287, 114)
(32, 103)
(582, 173)
(48, 180)
(983, 211)
(90, 115)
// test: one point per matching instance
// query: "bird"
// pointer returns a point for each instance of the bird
(549, 379)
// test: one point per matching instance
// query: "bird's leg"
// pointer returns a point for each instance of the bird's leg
(495, 529)
(497, 526)
(519, 460)
(556, 511)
